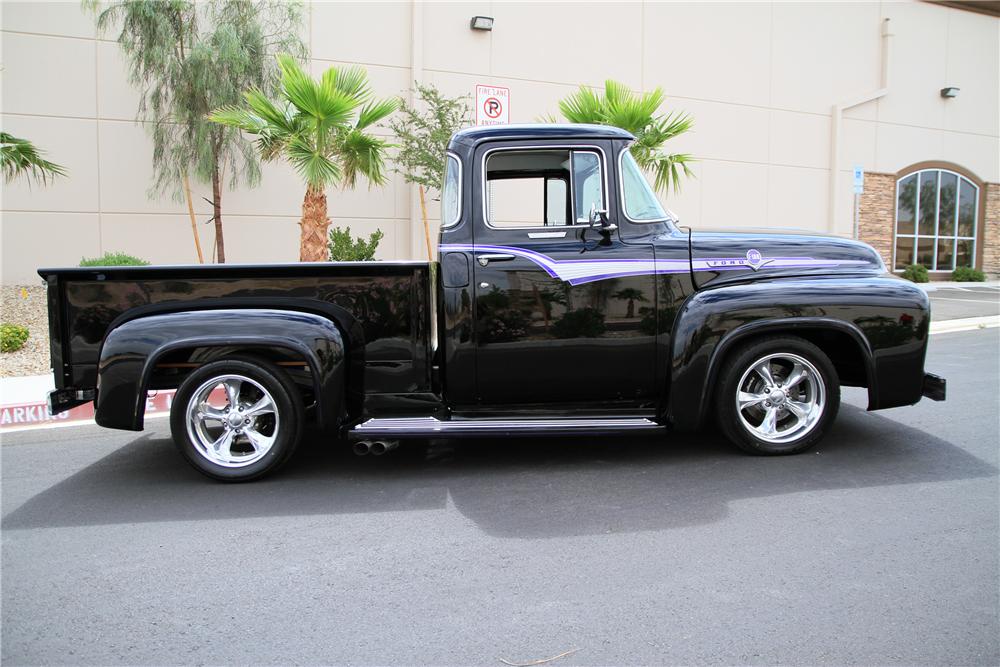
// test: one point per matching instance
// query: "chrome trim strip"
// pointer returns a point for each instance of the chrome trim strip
(435, 425)
(546, 235)
(572, 193)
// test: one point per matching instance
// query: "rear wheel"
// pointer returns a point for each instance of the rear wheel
(237, 419)
(777, 396)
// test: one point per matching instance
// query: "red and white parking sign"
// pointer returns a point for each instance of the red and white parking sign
(492, 105)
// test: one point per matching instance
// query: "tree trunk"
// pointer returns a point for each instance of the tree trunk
(194, 223)
(217, 212)
(314, 227)
(427, 229)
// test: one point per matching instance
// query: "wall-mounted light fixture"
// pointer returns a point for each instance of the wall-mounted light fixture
(950, 91)
(481, 23)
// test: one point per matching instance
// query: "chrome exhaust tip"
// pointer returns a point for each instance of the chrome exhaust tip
(380, 447)
(362, 447)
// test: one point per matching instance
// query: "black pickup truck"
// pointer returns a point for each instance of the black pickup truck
(565, 301)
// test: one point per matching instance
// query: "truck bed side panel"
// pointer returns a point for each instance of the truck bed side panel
(389, 301)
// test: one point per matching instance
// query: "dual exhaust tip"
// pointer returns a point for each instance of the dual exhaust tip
(374, 447)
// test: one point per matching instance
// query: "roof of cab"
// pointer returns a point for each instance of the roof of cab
(475, 135)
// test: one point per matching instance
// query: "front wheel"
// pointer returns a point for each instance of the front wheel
(777, 396)
(236, 419)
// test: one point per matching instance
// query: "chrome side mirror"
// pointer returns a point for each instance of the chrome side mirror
(599, 219)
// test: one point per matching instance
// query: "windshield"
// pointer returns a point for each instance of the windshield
(641, 203)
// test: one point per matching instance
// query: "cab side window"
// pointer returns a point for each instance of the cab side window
(542, 188)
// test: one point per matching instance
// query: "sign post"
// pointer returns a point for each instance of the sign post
(492, 105)
(859, 188)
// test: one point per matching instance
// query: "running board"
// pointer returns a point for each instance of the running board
(422, 427)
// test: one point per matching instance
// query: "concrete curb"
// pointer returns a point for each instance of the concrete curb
(931, 287)
(965, 324)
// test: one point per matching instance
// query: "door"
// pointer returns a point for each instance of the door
(564, 314)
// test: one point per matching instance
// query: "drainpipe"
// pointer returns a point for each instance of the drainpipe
(417, 249)
(837, 117)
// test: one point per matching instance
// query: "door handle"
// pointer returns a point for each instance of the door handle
(486, 259)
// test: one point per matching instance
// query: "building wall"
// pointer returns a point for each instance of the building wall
(760, 79)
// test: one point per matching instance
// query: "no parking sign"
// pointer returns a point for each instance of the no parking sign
(492, 105)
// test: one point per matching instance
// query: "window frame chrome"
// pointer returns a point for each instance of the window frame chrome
(621, 194)
(592, 148)
(458, 215)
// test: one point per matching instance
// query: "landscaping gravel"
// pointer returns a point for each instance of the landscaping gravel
(26, 305)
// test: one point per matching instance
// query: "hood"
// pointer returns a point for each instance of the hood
(720, 257)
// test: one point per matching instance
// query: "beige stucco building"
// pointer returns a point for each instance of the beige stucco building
(788, 98)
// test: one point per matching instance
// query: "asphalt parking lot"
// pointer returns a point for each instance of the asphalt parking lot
(878, 548)
(949, 302)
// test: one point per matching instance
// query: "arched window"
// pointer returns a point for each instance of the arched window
(936, 220)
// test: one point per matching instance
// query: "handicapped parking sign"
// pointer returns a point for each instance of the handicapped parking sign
(859, 179)
(492, 105)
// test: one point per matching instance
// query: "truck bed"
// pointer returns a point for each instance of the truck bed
(390, 303)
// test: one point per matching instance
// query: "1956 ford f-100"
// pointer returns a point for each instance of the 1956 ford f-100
(565, 301)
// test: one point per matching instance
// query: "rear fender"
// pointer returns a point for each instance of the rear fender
(130, 353)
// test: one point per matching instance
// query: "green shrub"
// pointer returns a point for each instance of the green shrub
(345, 249)
(967, 274)
(113, 259)
(916, 273)
(581, 323)
(12, 337)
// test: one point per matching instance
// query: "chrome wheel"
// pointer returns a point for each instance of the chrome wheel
(780, 398)
(232, 420)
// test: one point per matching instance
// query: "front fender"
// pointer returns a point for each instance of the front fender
(887, 319)
(131, 350)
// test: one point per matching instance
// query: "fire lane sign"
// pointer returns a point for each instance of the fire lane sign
(492, 105)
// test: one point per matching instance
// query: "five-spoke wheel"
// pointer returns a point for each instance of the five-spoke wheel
(236, 419)
(776, 395)
(241, 426)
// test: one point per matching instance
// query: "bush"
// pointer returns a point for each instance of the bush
(582, 323)
(916, 273)
(12, 337)
(345, 249)
(967, 274)
(113, 259)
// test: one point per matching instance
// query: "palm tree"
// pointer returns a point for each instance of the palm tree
(19, 158)
(620, 107)
(318, 127)
(631, 295)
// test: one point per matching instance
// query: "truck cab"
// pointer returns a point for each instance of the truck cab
(566, 300)
(550, 257)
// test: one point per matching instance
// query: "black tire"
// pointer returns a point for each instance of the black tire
(283, 426)
(820, 388)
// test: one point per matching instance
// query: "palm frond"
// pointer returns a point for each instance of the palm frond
(238, 117)
(619, 106)
(317, 169)
(20, 158)
(351, 81)
(616, 92)
(281, 118)
(326, 105)
(583, 106)
(373, 112)
(669, 126)
(362, 154)
(667, 170)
